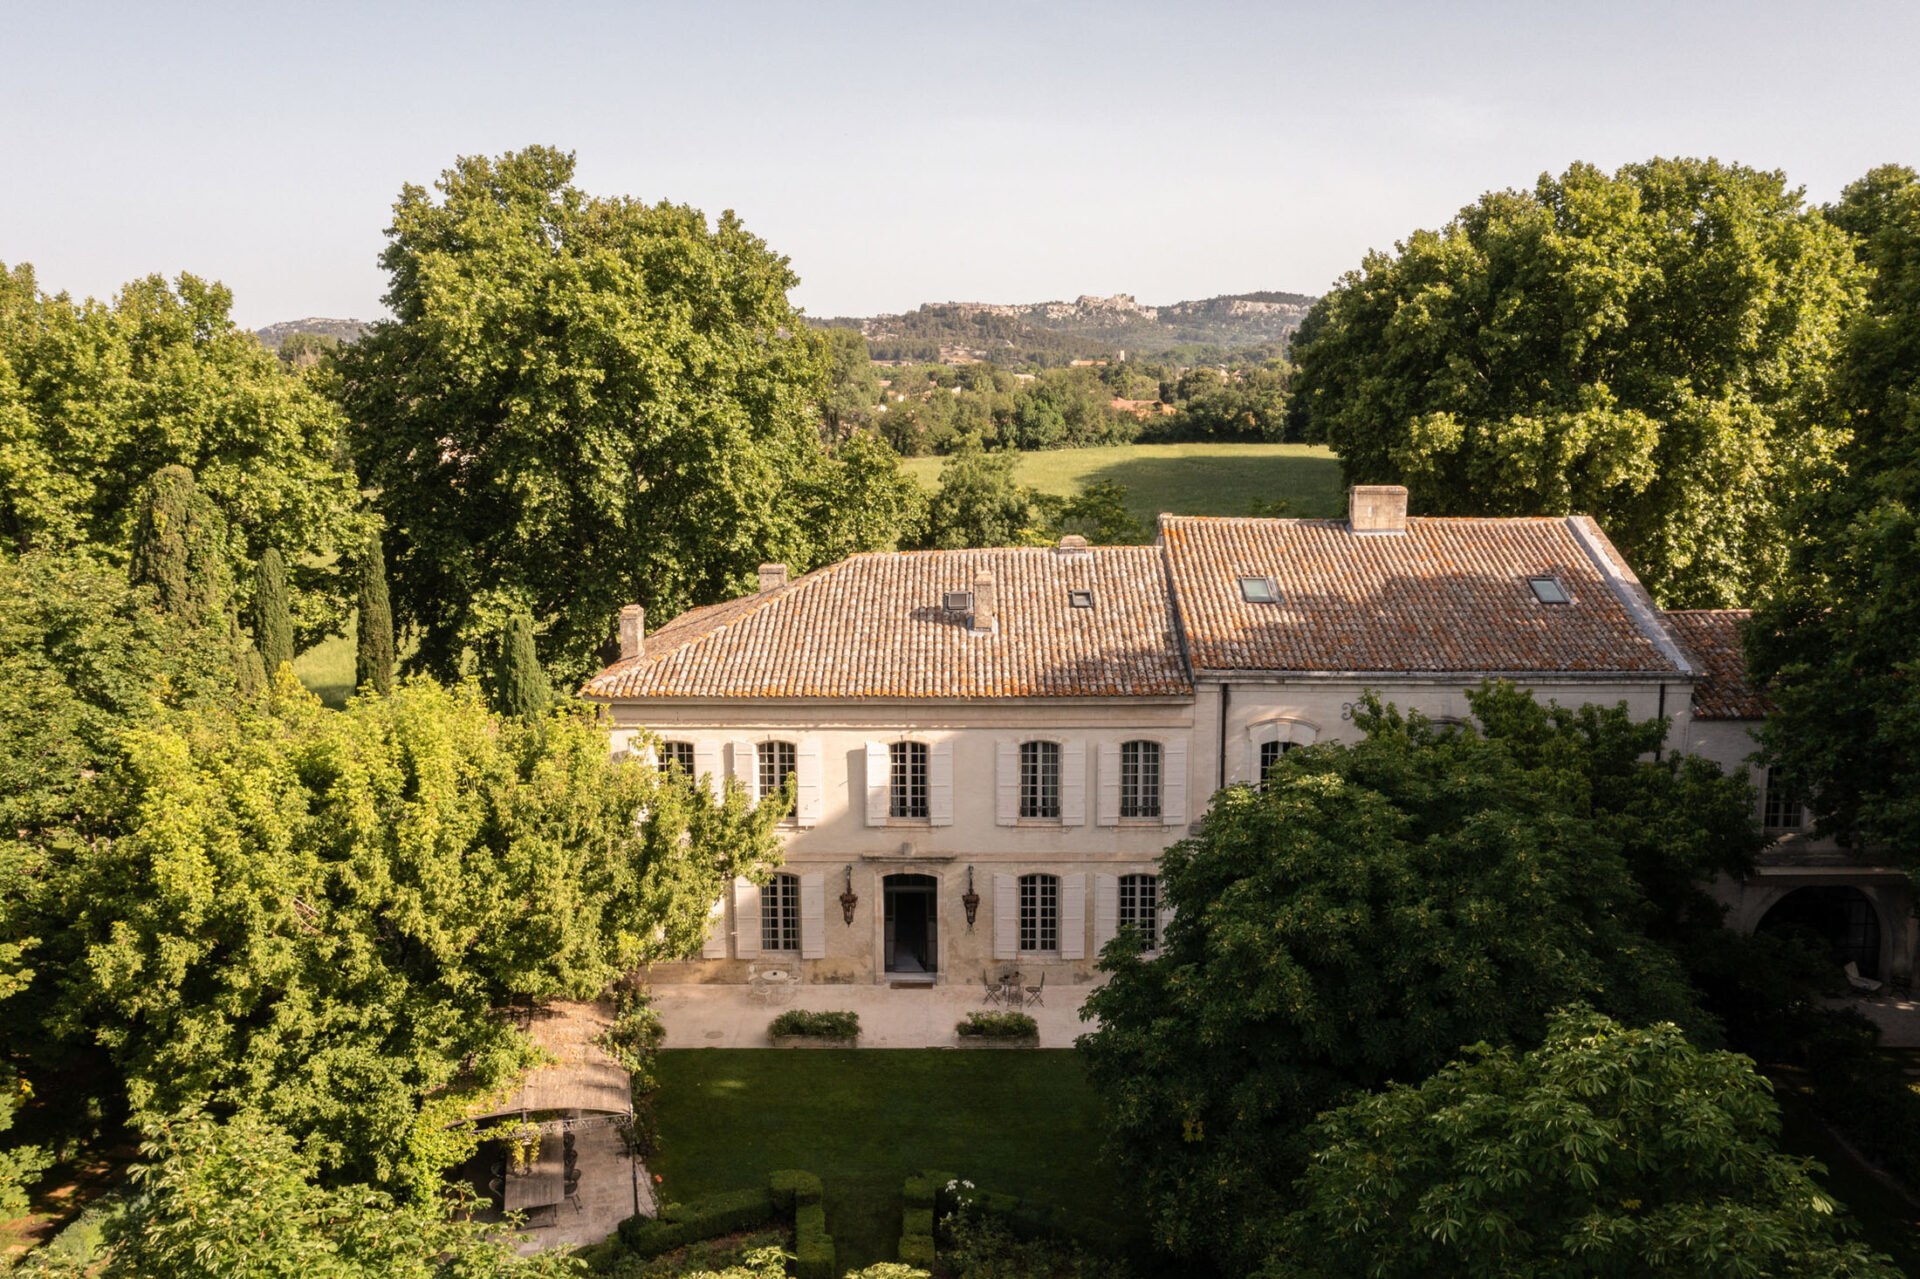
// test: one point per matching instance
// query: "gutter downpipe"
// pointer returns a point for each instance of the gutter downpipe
(1662, 715)
(1226, 698)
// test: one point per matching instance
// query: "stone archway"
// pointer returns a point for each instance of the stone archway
(1845, 918)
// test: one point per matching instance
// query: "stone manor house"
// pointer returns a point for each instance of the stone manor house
(992, 747)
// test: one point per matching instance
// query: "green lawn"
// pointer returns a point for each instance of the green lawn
(327, 668)
(1024, 1122)
(1185, 479)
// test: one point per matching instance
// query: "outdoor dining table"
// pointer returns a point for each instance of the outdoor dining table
(540, 1185)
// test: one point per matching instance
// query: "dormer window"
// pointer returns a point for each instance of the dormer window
(1549, 591)
(1259, 590)
(1080, 599)
(959, 602)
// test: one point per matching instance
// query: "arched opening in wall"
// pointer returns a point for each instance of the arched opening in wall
(1842, 918)
(911, 905)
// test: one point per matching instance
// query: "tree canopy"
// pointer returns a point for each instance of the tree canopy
(316, 913)
(95, 398)
(1838, 641)
(584, 402)
(1642, 347)
(1608, 1151)
(1373, 909)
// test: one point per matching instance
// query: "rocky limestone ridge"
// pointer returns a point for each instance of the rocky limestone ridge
(346, 330)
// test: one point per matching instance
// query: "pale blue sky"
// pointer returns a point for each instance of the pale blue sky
(901, 153)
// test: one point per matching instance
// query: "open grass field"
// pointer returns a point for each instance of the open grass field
(1184, 479)
(327, 668)
(1024, 1123)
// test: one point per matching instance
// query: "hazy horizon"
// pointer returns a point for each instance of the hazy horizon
(902, 157)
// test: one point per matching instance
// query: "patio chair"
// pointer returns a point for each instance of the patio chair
(1855, 980)
(1033, 992)
(993, 992)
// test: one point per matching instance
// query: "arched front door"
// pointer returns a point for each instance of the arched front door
(1843, 917)
(912, 911)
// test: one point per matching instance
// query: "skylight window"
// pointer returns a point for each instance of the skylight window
(1549, 591)
(1259, 590)
(1080, 599)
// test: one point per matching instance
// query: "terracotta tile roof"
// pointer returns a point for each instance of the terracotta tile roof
(1712, 635)
(873, 626)
(1446, 595)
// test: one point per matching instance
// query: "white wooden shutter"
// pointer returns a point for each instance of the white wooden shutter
(813, 916)
(1006, 783)
(806, 767)
(877, 779)
(1073, 784)
(1108, 804)
(1106, 910)
(746, 767)
(1006, 917)
(940, 784)
(1073, 916)
(706, 764)
(715, 946)
(746, 918)
(1173, 783)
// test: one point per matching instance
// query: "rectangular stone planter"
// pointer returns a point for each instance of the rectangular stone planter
(996, 1041)
(813, 1041)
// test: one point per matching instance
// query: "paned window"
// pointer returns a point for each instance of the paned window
(777, 763)
(1270, 753)
(1784, 810)
(1039, 779)
(677, 755)
(1139, 779)
(1548, 590)
(1140, 907)
(1039, 912)
(780, 913)
(907, 774)
(1259, 590)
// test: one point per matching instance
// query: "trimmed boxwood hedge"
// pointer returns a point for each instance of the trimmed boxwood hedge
(999, 1026)
(788, 1191)
(708, 1217)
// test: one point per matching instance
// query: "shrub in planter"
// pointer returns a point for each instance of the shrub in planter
(815, 1025)
(999, 1026)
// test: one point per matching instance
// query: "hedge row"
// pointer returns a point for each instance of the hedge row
(789, 1191)
(822, 1025)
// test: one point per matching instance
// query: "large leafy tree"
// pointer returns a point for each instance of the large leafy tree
(1375, 908)
(1839, 639)
(95, 398)
(239, 1200)
(317, 914)
(1641, 346)
(1608, 1151)
(583, 402)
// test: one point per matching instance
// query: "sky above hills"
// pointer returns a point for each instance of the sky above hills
(901, 154)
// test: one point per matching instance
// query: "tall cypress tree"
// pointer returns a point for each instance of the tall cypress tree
(272, 624)
(160, 536)
(520, 687)
(373, 659)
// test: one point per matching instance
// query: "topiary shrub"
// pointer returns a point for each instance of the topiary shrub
(821, 1025)
(812, 1246)
(918, 1193)
(793, 1188)
(708, 1217)
(917, 1250)
(917, 1221)
(999, 1026)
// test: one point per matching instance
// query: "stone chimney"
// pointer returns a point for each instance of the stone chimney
(985, 600)
(1377, 508)
(633, 631)
(772, 577)
(1073, 544)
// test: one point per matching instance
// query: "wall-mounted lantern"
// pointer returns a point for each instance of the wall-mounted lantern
(971, 900)
(849, 899)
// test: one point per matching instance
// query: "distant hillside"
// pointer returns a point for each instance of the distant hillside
(1087, 328)
(346, 330)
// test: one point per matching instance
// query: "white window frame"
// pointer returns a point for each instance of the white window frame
(1275, 728)
(907, 747)
(1157, 816)
(1040, 881)
(1059, 781)
(780, 915)
(1129, 885)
